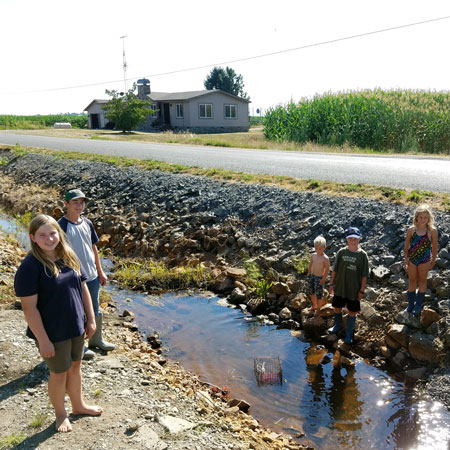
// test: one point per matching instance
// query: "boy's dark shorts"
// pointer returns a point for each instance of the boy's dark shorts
(351, 305)
(66, 352)
(314, 287)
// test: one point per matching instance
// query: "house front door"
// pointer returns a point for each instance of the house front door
(166, 114)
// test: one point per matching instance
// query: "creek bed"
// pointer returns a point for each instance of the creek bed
(360, 408)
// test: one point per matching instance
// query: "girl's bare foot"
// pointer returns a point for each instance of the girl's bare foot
(63, 424)
(90, 410)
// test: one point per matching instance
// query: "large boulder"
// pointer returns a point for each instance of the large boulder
(426, 348)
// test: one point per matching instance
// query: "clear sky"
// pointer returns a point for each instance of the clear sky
(49, 44)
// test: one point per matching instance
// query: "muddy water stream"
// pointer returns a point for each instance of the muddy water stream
(361, 408)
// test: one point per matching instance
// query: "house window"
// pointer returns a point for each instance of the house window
(230, 112)
(180, 114)
(205, 110)
(153, 109)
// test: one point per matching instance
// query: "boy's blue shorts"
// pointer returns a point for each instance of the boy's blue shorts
(351, 305)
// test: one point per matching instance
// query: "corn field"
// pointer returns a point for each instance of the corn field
(398, 121)
(10, 122)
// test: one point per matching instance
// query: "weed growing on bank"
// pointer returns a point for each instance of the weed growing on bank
(38, 419)
(145, 274)
(10, 442)
(258, 281)
(301, 263)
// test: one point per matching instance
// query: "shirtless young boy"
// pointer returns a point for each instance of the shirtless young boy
(318, 273)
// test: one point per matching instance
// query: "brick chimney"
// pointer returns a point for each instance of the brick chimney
(143, 85)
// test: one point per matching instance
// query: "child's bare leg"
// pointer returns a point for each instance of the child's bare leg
(314, 301)
(73, 387)
(413, 276)
(422, 272)
(57, 393)
(320, 303)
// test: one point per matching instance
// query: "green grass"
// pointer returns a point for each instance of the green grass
(11, 441)
(301, 264)
(146, 274)
(436, 200)
(38, 419)
(262, 288)
(24, 219)
(417, 196)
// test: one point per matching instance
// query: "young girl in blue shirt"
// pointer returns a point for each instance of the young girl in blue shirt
(59, 314)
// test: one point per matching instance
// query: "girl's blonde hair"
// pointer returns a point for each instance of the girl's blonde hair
(424, 209)
(63, 249)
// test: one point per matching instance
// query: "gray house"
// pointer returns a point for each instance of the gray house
(207, 111)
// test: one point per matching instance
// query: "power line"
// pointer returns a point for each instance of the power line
(248, 58)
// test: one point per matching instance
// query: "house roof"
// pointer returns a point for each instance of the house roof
(179, 96)
(98, 100)
(176, 96)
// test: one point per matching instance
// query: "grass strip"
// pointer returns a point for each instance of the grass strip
(439, 201)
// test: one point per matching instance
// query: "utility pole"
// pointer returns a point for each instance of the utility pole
(124, 64)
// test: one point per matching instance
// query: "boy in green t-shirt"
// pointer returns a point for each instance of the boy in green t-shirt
(348, 282)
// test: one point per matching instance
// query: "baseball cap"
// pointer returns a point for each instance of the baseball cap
(353, 232)
(73, 194)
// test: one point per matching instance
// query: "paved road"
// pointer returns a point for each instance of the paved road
(431, 174)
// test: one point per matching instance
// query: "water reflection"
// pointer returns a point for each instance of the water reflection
(355, 408)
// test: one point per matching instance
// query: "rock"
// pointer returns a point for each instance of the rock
(400, 333)
(428, 317)
(399, 359)
(396, 268)
(256, 305)
(326, 311)
(415, 374)
(175, 425)
(275, 318)
(232, 410)
(408, 319)
(367, 311)
(424, 347)
(392, 343)
(371, 294)
(299, 302)
(241, 404)
(223, 284)
(346, 362)
(280, 288)
(104, 240)
(381, 273)
(147, 438)
(237, 296)
(285, 314)
(236, 273)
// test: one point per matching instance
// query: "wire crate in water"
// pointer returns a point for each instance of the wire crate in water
(268, 371)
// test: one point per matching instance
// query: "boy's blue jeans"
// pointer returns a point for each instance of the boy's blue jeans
(94, 290)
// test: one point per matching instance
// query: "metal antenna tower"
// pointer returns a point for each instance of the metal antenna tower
(125, 65)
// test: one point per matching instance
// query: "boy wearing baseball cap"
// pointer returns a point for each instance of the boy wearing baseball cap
(348, 282)
(82, 237)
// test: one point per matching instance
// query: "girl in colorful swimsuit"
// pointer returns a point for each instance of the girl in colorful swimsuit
(420, 255)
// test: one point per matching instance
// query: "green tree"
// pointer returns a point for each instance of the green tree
(226, 80)
(126, 110)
